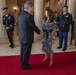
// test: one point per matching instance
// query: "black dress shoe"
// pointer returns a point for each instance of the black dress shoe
(64, 49)
(27, 67)
(12, 46)
(59, 47)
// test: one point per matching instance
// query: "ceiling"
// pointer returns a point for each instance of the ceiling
(23, 1)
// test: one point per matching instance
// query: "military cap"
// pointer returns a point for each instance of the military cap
(65, 6)
(5, 8)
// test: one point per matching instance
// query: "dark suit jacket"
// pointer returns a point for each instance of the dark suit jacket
(27, 27)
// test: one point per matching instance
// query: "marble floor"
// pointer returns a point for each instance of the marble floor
(5, 50)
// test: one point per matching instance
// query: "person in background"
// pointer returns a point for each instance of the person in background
(27, 27)
(48, 26)
(8, 22)
(64, 21)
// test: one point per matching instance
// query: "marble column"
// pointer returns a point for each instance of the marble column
(72, 6)
(38, 12)
(71, 9)
(2, 30)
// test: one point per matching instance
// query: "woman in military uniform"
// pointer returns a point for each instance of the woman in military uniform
(48, 26)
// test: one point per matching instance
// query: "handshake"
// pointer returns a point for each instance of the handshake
(40, 32)
(53, 41)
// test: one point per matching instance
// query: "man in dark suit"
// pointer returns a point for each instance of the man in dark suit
(8, 22)
(64, 21)
(26, 27)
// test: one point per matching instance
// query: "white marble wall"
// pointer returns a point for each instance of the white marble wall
(72, 6)
(38, 13)
(75, 13)
(2, 30)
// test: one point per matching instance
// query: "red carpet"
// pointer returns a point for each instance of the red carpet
(64, 64)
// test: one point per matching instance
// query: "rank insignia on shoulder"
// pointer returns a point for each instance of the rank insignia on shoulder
(67, 16)
(9, 17)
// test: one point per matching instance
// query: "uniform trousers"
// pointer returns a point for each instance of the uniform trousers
(9, 34)
(63, 37)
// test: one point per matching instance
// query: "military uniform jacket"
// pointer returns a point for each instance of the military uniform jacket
(64, 21)
(8, 21)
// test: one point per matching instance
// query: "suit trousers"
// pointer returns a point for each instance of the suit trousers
(9, 34)
(25, 54)
(63, 37)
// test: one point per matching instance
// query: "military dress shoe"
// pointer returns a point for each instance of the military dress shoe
(12, 46)
(27, 67)
(59, 47)
(64, 49)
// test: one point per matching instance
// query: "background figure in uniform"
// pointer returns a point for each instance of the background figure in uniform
(48, 26)
(26, 27)
(64, 21)
(74, 34)
(8, 22)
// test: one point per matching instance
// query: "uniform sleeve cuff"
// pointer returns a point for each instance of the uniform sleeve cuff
(11, 26)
